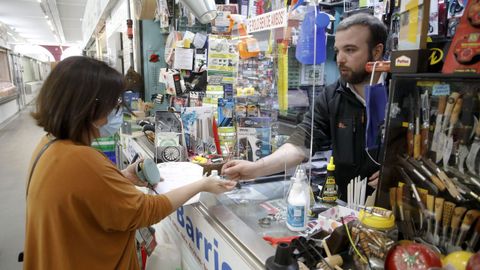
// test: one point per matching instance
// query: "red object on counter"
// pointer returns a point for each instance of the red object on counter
(412, 256)
(216, 137)
(276, 240)
(474, 262)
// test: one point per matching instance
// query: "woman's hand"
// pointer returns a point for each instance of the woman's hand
(130, 174)
(216, 185)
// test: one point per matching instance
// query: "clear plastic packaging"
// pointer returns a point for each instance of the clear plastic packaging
(373, 234)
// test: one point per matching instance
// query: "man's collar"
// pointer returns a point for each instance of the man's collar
(360, 98)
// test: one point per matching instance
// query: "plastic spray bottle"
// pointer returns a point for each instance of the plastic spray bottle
(298, 201)
(329, 192)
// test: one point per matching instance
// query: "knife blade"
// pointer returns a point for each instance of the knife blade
(453, 121)
(442, 103)
(417, 138)
(442, 140)
(411, 127)
(425, 105)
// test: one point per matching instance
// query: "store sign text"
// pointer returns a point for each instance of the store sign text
(275, 19)
(196, 236)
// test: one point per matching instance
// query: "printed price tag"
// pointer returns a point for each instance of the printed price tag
(441, 90)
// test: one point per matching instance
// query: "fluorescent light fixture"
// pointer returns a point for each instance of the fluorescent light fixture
(46, 16)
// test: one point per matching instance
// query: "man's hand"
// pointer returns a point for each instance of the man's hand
(130, 174)
(240, 170)
(373, 180)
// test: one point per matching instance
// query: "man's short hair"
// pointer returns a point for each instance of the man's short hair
(378, 30)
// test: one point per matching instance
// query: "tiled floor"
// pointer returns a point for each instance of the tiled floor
(17, 141)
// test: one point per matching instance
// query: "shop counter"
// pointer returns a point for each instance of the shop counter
(223, 231)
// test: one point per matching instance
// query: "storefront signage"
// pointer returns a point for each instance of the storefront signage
(208, 248)
(275, 19)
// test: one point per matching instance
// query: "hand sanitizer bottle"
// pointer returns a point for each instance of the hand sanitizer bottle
(298, 201)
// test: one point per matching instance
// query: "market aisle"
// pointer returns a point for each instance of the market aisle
(17, 140)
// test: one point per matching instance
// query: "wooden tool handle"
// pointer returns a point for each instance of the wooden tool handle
(393, 193)
(470, 217)
(442, 103)
(410, 142)
(399, 196)
(457, 216)
(423, 195)
(452, 99)
(438, 183)
(456, 112)
(438, 208)
(424, 143)
(417, 146)
(447, 213)
(430, 202)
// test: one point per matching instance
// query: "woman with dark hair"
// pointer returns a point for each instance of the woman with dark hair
(82, 212)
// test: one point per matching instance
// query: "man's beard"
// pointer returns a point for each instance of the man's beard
(355, 77)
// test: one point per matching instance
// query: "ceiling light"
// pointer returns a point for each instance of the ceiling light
(49, 23)
(46, 16)
(39, 1)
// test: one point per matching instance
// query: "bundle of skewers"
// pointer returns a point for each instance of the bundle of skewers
(356, 193)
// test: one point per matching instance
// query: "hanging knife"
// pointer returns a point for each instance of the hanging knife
(416, 174)
(447, 152)
(442, 103)
(425, 123)
(452, 190)
(417, 138)
(435, 180)
(466, 177)
(442, 139)
(438, 218)
(472, 155)
(448, 208)
(411, 127)
(468, 220)
(467, 121)
(422, 212)
(456, 219)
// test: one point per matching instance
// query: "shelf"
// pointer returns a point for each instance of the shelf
(436, 75)
(333, 4)
(6, 99)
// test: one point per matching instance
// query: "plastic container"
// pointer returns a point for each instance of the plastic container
(377, 233)
(298, 201)
(329, 193)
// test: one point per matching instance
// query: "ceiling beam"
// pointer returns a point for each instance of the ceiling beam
(50, 9)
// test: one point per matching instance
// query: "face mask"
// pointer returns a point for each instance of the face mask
(114, 122)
